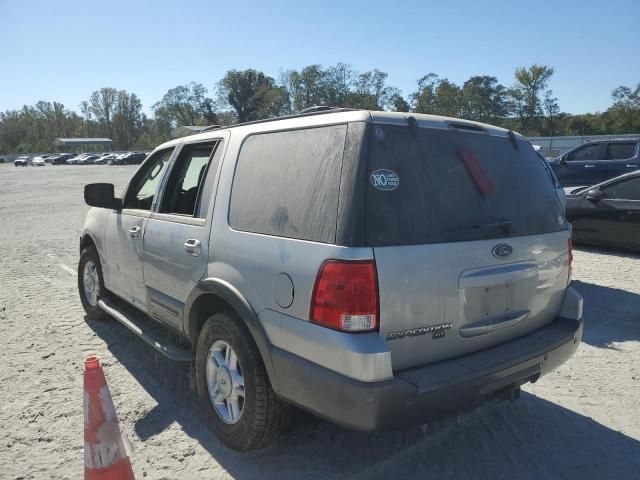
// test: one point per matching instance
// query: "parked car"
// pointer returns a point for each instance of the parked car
(130, 158)
(331, 260)
(103, 158)
(38, 162)
(80, 159)
(607, 214)
(22, 161)
(61, 159)
(595, 162)
(2, 159)
(87, 159)
(552, 176)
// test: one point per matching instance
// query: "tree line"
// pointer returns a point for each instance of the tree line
(528, 105)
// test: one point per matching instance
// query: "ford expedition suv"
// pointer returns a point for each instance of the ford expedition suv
(377, 269)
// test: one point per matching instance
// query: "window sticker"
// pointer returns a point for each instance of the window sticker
(379, 133)
(384, 179)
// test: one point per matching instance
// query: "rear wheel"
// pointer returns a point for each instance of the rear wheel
(91, 283)
(238, 401)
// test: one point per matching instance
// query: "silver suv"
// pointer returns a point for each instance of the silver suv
(377, 269)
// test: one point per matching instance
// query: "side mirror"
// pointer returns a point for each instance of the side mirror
(595, 195)
(101, 195)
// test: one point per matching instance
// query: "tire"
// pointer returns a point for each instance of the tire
(262, 413)
(90, 255)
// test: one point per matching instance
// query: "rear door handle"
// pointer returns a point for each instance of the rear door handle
(589, 166)
(629, 165)
(193, 247)
(134, 232)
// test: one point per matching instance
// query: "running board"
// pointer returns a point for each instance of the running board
(173, 352)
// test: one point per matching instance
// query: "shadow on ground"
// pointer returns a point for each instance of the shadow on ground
(529, 438)
(617, 252)
(610, 314)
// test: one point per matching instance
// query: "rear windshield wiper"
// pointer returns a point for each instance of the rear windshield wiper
(504, 227)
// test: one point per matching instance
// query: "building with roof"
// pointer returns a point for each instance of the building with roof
(73, 143)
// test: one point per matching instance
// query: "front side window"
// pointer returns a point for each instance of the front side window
(584, 154)
(144, 186)
(620, 151)
(623, 190)
(186, 179)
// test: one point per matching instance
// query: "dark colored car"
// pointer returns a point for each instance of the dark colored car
(595, 162)
(607, 213)
(60, 159)
(132, 158)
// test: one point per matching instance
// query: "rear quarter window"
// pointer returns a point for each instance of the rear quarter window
(287, 183)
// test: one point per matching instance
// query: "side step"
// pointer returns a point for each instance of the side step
(148, 334)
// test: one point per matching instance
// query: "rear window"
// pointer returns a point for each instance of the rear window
(287, 183)
(434, 185)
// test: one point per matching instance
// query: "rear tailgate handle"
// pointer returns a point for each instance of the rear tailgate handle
(487, 277)
(491, 325)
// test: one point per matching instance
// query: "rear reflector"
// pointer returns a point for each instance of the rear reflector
(345, 296)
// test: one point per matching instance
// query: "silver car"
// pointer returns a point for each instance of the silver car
(377, 269)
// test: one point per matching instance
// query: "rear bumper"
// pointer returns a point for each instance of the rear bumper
(416, 395)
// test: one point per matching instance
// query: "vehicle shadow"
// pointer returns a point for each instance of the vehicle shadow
(610, 314)
(530, 438)
(618, 252)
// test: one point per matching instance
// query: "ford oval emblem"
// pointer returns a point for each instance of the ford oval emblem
(502, 250)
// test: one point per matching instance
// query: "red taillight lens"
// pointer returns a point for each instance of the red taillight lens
(570, 261)
(345, 296)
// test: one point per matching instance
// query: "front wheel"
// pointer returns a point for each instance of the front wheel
(236, 395)
(91, 283)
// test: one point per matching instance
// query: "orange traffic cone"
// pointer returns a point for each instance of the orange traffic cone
(105, 456)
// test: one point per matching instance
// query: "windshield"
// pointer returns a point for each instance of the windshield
(431, 185)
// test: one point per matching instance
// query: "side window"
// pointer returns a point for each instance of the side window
(584, 153)
(624, 190)
(287, 183)
(620, 151)
(187, 176)
(144, 186)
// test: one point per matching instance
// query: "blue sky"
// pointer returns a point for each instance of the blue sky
(63, 50)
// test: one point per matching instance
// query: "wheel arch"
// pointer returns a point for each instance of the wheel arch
(214, 295)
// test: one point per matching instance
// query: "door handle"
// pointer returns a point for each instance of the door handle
(629, 165)
(134, 232)
(589, 166)
(193, 247)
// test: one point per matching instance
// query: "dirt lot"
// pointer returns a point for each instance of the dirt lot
(582, 421)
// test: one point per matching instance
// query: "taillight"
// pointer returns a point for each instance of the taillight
(570, 261)
(345, 296)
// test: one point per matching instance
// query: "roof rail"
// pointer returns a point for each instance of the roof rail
(210, 127)
(316, 110)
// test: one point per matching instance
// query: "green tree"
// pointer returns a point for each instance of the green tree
(186, 105)
(527, 95)
(484, 99)
(252, 95)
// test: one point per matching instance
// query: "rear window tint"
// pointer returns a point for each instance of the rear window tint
(287, 183)
(433, 185)
(620, 151)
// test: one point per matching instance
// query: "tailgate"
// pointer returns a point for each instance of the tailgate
(445, 300)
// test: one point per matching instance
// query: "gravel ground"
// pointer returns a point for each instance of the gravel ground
(582, 421)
